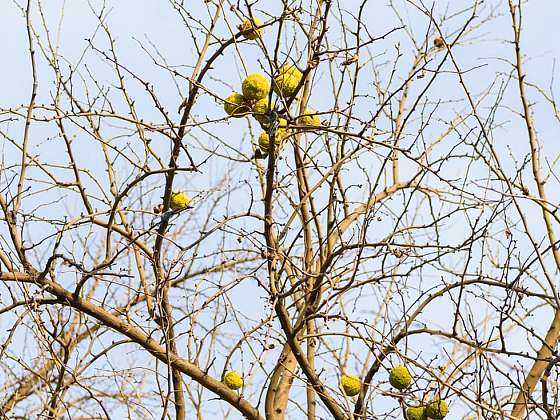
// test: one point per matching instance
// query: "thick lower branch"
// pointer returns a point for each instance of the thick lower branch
(145, 341)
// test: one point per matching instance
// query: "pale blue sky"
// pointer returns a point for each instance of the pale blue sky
(137, 22)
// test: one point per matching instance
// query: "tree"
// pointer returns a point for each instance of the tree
(379, 196)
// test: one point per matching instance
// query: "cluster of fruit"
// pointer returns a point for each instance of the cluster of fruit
(251, 30)
(255, 97)
(401, 379)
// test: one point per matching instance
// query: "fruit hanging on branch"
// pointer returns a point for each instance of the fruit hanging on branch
(233, 380)
(350, 384)
(235, 105)
(310, 118)
(261, 108)
(400, 378)
(437, 409)
(416, 413)
(251, 28)
(255, 87)
(179, 200)
(287, 80)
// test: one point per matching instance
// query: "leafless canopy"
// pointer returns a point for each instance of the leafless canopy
(416, 225)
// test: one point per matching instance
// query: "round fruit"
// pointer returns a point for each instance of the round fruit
(282, 123)
(287, 80)
(416, 413)
(249, 28)
(291, 70)
(261, 108)
(400, 378)
(233, 380)
(235, 105)
(351, 385)
(264, 139)
(255, 87)
(309, 118)
(179, 200)
(437, 409)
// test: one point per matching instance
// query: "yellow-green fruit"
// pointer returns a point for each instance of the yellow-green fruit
(235, 105)
(400, 377)
(437, 409)
(249, 28)
(264, 139)
(255, 87)
(290, 69)
(351, 385)
(309, 118)
(416, 413)
(282, 123)
(287, 80)
(233, 380)
(260, 109)
(179, 200)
